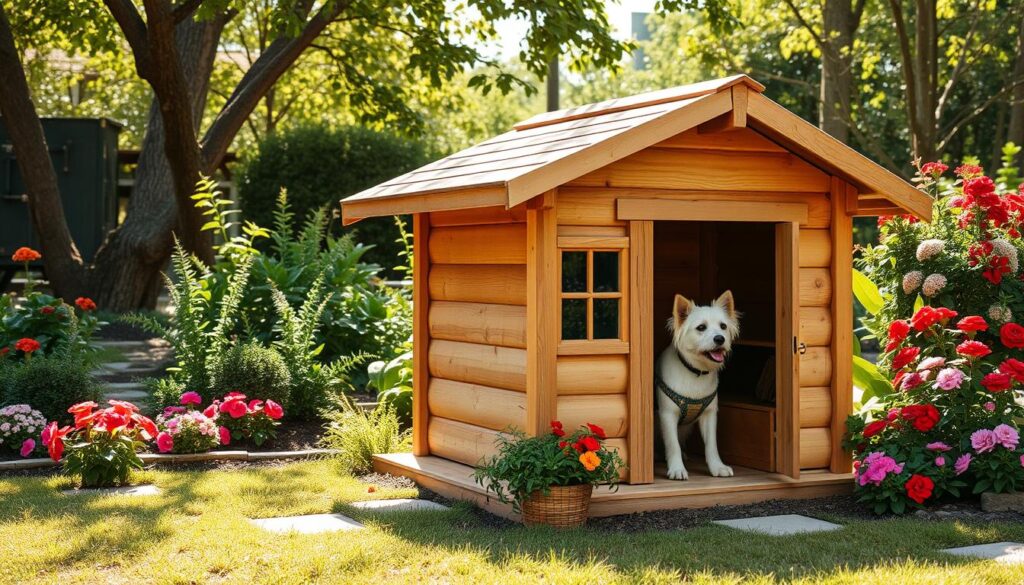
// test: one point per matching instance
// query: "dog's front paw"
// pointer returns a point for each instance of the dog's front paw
(678, 473)
(721, 471)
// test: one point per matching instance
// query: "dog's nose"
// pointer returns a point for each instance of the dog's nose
(719, 339)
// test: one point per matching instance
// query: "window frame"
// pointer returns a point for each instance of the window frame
(590, 245)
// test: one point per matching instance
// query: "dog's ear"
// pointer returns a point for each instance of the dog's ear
(725, 301)
(680, 309)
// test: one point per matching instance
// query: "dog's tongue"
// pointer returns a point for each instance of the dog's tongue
(718, 355)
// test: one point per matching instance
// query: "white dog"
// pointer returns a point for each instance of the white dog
(686, 378)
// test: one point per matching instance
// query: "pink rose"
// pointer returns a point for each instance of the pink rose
(191, 398)
(875, 467)
(990, 406)
(28, 447)
(983, 440)
(225, 436)
(940, 461)
(962, 463)
(1006, 436)
(274, 410)
(164, 442)
(948, 379)
(937, 446)
(236, 408)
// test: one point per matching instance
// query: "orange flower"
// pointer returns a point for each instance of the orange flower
(590, 460)
(25, 254)
(85, 303)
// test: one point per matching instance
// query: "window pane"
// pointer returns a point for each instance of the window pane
(574, 318)
(606, 272)
(574, 272)
(606, 318)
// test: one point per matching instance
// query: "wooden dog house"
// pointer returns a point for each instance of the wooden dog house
(545, 263)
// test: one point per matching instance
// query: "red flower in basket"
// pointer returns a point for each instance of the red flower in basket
(588, 444)
(973, 349)
(27, 345)
(597, 431)
(556, 428)
(1012, 335)
(25, 254)
(85, 303)
(919, 488)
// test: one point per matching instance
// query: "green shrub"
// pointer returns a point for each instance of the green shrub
(392, 381)
(51, 385)
(358, 435)
(319, 166)
(256, 371)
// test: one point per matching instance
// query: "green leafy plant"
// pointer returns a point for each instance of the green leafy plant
(392, 380)
(50, 385)
(102, 447)
(254, 370)
(358, 434)
(524, 465)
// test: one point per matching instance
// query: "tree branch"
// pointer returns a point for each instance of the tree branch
(185, 9)
(805, 24)
(135, 32)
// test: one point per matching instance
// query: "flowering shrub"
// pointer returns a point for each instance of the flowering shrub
(102, 446)
(943, 304)
(524, 464)
(186, 431)
(43, 324)
(20, 426)
(255, 420)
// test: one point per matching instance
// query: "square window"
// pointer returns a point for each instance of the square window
(574, 318)
(574, 272)
(606, 318)
(606, 272)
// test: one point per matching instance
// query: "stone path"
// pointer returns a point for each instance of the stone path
(128, 490)
(783, 525)
(399, 505)
(310, 524)
(140, 360)
(1001, 552)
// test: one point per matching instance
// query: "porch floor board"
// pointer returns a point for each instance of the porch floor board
(455, 480)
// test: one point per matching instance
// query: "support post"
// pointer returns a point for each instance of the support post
(843, 197)
(542, 281)
(420, 333)
(641, 351)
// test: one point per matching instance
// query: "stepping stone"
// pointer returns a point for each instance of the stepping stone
(1001, 552)
(126, 490)
(782, 525)
(127, 395)
(398, 505)
(311, 524)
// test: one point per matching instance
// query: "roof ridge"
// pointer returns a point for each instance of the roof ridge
(651, 98)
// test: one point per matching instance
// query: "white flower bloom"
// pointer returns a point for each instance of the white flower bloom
(911, 281)
(1000, 314)
(933, 285)
(1005, 248)
(929, 249)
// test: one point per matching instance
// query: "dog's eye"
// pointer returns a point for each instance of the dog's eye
(702, 327)
(722, 325)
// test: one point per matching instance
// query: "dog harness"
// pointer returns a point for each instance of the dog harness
(691, 408)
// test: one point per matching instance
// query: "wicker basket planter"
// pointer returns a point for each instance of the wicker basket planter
(565, 507)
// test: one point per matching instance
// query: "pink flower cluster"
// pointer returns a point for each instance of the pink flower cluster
(985, 440)
(875, 467)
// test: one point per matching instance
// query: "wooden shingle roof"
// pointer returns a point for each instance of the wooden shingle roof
(550, 149)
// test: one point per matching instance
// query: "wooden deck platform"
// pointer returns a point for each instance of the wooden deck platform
(455, 480)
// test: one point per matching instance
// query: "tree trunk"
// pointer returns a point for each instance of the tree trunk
(61, 259)
(837, 68)
(127, 268)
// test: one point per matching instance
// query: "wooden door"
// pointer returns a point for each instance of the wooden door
(787, 348)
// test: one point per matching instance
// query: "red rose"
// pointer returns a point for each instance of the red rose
(596, 430)
(85, 303)
(1014, 368)
(979, 186)
(273, 409)
(971, 324)
(974, 349)
(997, 382)
(904, 357)
(27, 345)
(563, 444)
(898, 331)
(927, 316)
(873, 428)
(556, 428)
(1012, 335)
(919, 488)
(24, 254)
(588, 444)
(47, 310)
(922, 416)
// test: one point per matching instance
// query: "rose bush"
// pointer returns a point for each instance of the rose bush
(953, 354)
(253, 420)
(103, 444)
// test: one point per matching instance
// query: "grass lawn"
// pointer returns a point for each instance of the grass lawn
(197, 532)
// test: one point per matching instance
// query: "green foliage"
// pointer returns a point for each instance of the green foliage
(525, 465)
(103, 459)
(318, 166)
(50, 385)
(392, 381)
(358, 435)
(57, 326)
(253, 370)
